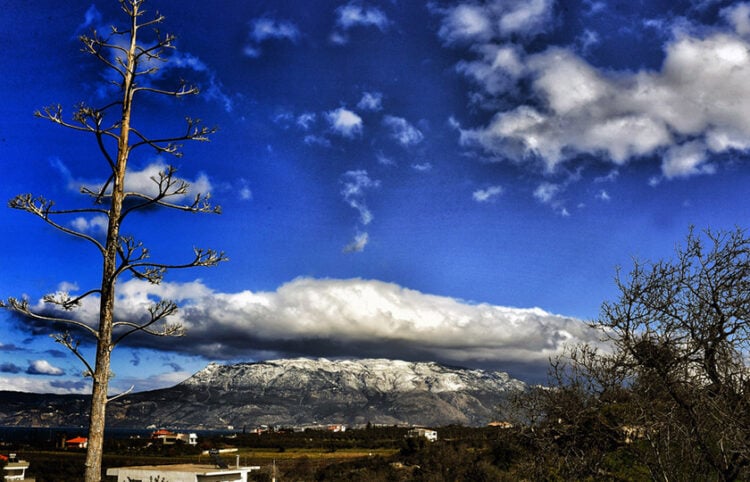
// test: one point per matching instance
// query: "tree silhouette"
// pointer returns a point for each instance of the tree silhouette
(133, 65)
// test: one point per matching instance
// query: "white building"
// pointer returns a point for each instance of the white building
(15, 470)
(181, 473)
(430, 435)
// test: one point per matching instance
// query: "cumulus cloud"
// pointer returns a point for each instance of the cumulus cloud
(353, 317)
(306, 120)
(546, 192)
(738, 16)
(694, 106)
(93, 225)
(344, 122)
(263, 29)
(486, 195)
(401, 130)
(494, 19)
(144, 181)
(498, 69)
(466, 22)
(372, 101)
(549, 193)
(357, 244)
(140, 181)
(43, 367)
(355, 14)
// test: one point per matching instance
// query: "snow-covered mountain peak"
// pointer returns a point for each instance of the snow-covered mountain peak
(368, 375)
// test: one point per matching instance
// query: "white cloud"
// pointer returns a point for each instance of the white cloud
(67, 287)
(354, 317)
(43, 367)
(42, 385)
(306, 120)
(358, 243)
(685, 160)
(143, 182)
(466, 22)
(140, 181)
(603, 195)
(312, 140)
(422, 166)
(494, 19)
(485, 195)
(546, 192)
(738, 16)
(524, 16)
(372, 101)
(498, 69)
(265, 28)
(345, 122)
(384, 160)
(401, 130)
(94, 225)
(699, 97)
(356, 183)
(356, 14)
(245, 193)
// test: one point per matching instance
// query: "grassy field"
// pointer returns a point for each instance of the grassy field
(67, 465)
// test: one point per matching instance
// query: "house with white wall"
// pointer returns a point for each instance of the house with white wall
(430, 435)
(180, 473)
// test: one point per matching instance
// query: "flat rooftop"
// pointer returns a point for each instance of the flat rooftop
(191, 468)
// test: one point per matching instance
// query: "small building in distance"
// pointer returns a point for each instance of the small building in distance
(170, 438)
(180, 473)
(336, 427)
(77, 443)
(14, 469)
(430, 435)
(500, 424)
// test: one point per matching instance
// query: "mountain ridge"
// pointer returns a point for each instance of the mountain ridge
(294, 391)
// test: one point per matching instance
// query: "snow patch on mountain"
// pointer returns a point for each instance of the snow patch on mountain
(366, 375)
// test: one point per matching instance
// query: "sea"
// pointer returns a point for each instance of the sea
(37, 436)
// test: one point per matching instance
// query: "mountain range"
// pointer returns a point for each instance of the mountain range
(291, 392)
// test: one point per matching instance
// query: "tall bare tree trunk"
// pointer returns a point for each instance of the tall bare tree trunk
(120, 254)
(99, 395)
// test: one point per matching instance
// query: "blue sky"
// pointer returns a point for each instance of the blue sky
(450, 181)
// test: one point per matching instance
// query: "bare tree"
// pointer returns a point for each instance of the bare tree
(682, 327)
(133, 64)
(670, 399)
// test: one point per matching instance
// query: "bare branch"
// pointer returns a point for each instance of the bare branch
(158, 311)
(67, 340)
(42, 208)
(67, 302)
(22, 307)
(122, 394)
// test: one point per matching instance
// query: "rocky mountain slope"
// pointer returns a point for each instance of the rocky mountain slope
(290, 392)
